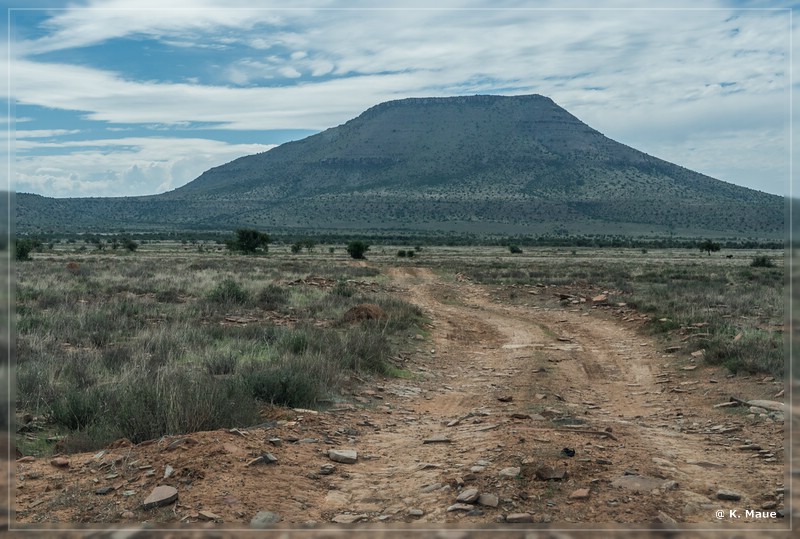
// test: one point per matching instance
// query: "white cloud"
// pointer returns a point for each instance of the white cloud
(120, 167)
(44, 133)
(662, 81)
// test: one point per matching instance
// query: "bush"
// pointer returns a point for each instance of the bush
(401, 253)
(129, 244)
(410, 254)
(273, 296)
(292, 380)
(762, 262)
(514, 249)
(228, 291)
(248, 241)
(24, 248)
(357, 248)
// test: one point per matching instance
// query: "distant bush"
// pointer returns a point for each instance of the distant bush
(401, 253)
(129, 244)
(357, 248)
(762, 262)
(248, 241)
(410, 254)
(24, 248)
(514, 249)
(228, 291)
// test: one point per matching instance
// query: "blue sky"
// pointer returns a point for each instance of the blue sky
(132, 97)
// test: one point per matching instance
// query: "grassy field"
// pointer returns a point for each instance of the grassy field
(159, 341)
(175, 338)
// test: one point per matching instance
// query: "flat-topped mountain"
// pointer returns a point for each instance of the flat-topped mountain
(493, 164)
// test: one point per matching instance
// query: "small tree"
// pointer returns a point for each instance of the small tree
(709, 246)
(249, 241)
(23, 249)
(297, 247)
(129, 244)
(357, 248)
(514, 249)
(309, 244)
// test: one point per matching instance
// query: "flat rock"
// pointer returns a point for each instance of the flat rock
(349, 519)
(469, 495)
(638, 483)
(345, 456)
(416, 512)
(769, 405)
(160, 496)
(509, 472)
(104, 490)
(728, 495)
(59, 462)
(580, 494)
(489, 500)
(546, 473)
(705, 464)
(208, 515)
(460, 507)
(438, 439)
(327, 469)
(519, 517)
(264, 519)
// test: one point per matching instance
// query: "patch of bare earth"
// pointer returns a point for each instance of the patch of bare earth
(554, 415)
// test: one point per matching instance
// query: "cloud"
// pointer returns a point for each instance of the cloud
(659, 80)
(44, 133)
(101, 20)
(120, 167)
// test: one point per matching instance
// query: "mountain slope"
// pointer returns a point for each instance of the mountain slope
(517, 164)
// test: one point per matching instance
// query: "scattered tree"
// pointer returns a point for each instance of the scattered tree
(24, 248)
(357, 248)
(249, 241)
(514, 249)
(709, 246)
(129, 244)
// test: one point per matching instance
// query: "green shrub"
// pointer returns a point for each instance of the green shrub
(24, 247)
(357, 248)
(343, 289)
(366, 348)
(219, 364)
(762, 262)
(273, 296)
(249, 241)
(514, 249)
(292, 380)
(229, 291)
(401, 253)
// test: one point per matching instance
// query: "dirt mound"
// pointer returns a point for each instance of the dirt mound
(365, 311)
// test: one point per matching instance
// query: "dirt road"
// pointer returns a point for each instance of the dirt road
(551, 413)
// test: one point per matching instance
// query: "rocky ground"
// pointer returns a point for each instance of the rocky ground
(546, 413)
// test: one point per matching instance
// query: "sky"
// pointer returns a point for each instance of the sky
(137, 97)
